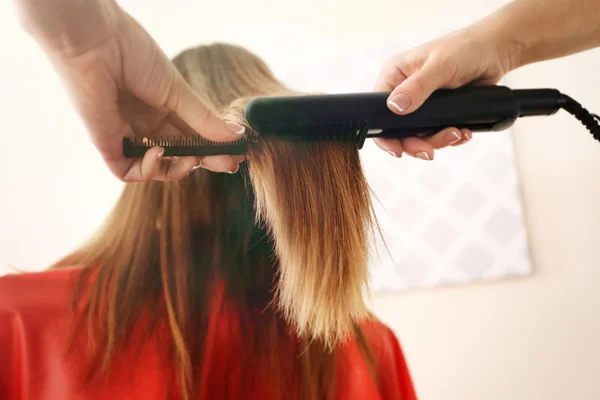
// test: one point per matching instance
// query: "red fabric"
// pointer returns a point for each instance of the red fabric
(34, 314)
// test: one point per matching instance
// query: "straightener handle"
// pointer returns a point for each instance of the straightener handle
(483, 109)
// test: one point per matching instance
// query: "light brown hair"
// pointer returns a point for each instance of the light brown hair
(286, 237)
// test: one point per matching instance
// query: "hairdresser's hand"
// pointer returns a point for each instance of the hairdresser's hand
(122, 84)
(464, 57)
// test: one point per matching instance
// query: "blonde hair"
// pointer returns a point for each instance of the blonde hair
(290, 229)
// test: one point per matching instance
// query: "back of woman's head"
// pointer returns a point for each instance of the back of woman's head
(312, 197)
(287, 236)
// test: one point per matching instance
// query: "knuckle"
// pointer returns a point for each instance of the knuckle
(417, 87)
(411, 62)
(174, 95)
(204, 114)
(395, 65)
(389, 65)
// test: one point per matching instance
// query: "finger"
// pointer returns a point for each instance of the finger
(177, 168)
(153, 166)
(188, 106)
(239, 159)
(445, 138)
(418, 148)
(467, 135)
(391, 75)
(146, 168)
(220, 164)
(392, 146)
(411, 93)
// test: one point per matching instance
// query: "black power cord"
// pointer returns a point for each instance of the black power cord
(591, 121)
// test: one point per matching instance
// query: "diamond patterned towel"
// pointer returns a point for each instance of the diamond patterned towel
(456, 219)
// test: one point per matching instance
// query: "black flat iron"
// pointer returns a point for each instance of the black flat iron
(358, 116)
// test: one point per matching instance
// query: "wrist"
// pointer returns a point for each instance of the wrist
(70, 27)
(509, 49)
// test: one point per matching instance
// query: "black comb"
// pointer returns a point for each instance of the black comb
(185, 146)
(357, 116)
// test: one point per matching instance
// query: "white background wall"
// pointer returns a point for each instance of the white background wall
(533, 338)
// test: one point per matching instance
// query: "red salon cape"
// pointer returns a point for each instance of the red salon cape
(34, 314)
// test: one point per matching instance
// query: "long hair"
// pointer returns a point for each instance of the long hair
(284, 242)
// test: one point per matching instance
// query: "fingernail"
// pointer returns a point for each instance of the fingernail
(400, 102)
(453, 137)
(423, 155)
(234, 127)
(391, 153)
(469, 135)
(159, 155)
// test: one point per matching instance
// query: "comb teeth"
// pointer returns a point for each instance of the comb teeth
(181, 141)
(184, 146)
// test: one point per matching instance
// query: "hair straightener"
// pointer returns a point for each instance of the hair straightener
(357, 116)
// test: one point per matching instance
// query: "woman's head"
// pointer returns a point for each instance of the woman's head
(287, 236)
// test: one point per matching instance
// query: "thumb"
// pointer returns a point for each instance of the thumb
(414, 90)
(191, 110)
